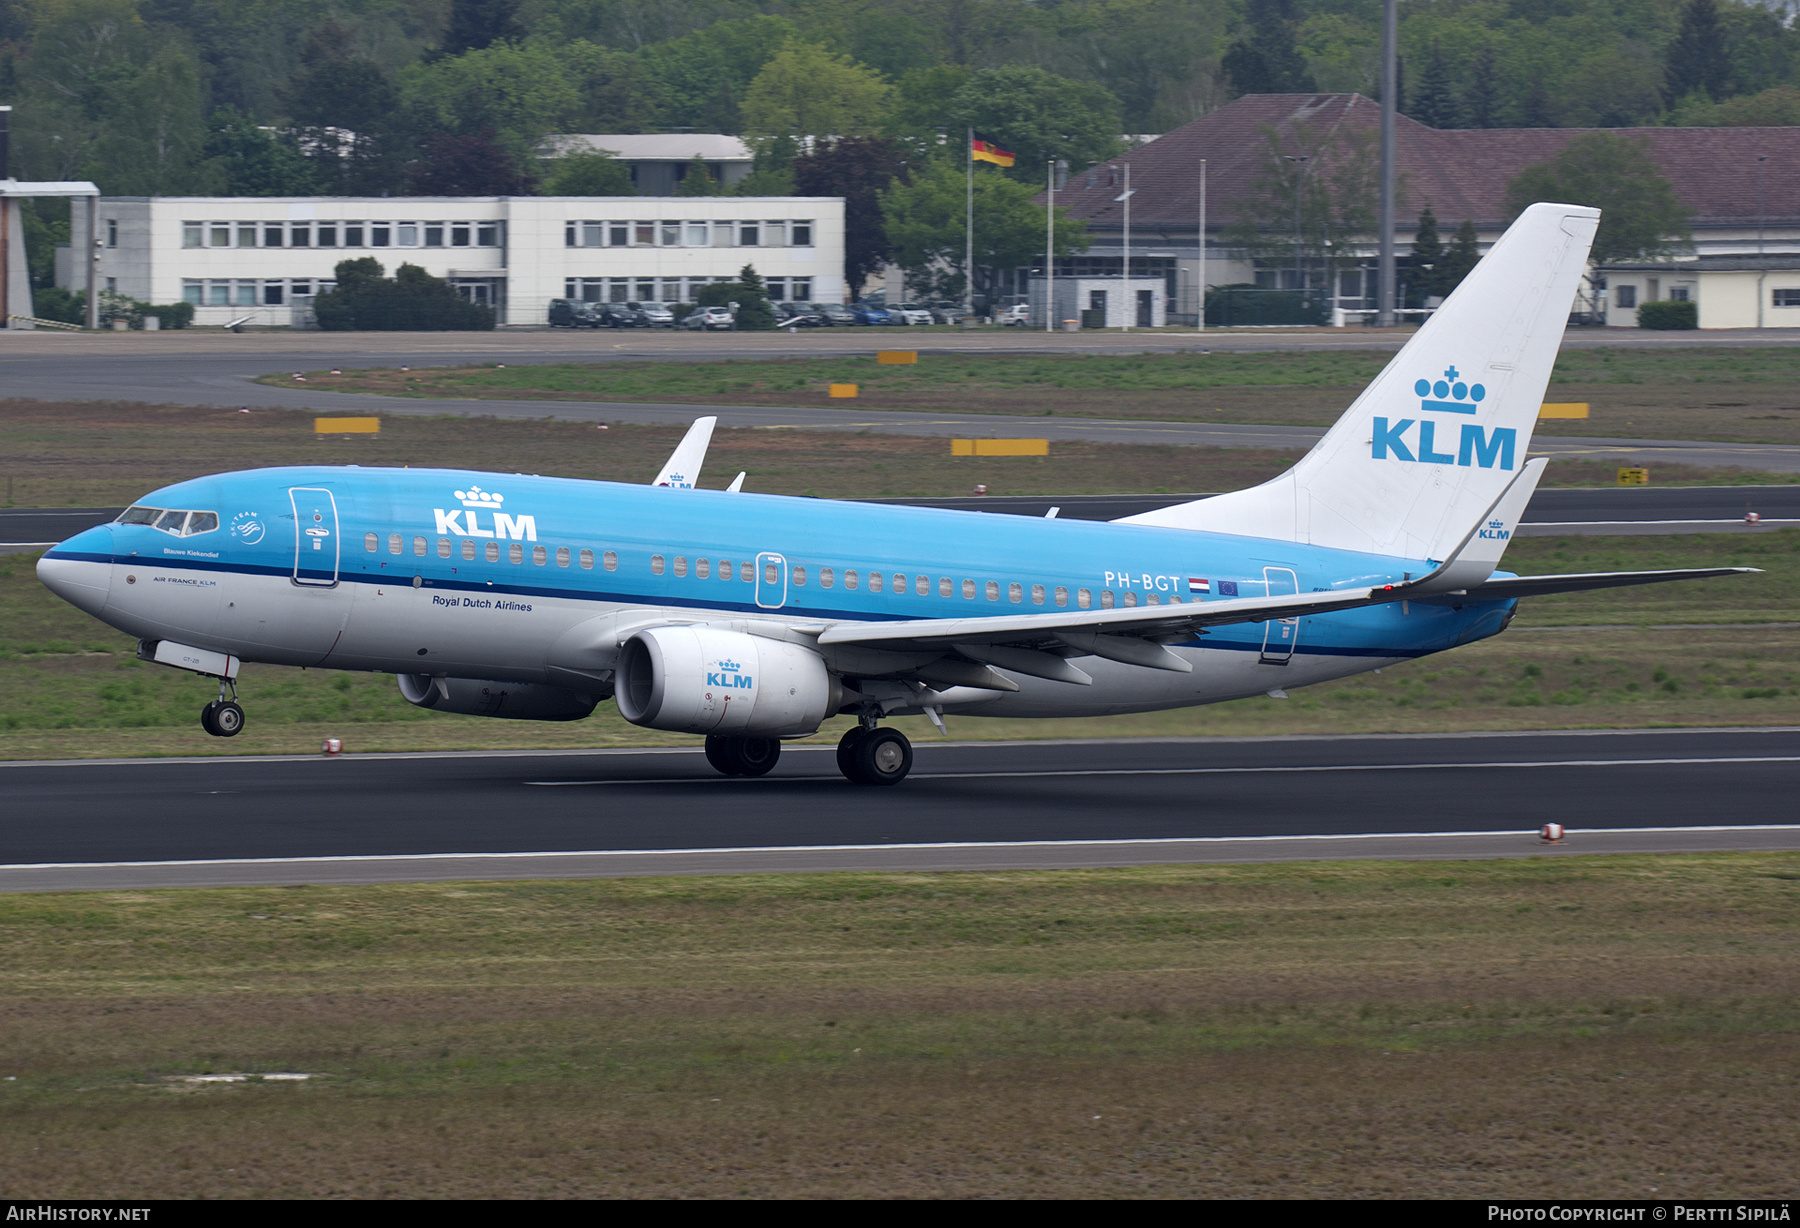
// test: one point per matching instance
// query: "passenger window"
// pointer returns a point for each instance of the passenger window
(968, 590)
(725, 569)
(1037, 594)
(1130, 600)
(874, 581)
(539, 556)
(702, 568)
(993, 590)
(587, 559)
(419, 546)
(944, 587)
(371, 542)
(1152, 599)
(1106, 599)
(610, 559)
(771, 574)
(202, 522)
(1084, 599)
(395, 543)
(681, 565)
(825, 577)
(922, 586)
(656, 564)
(747, 572)
(850, 579)
(562, 556)
(515, 553)
(493, 552)
(1015, 593)
(1062, 595)
(443, 547)
(468, 550)
(799, 575)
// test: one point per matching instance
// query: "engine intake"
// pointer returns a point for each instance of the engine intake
(511, 701)
(706, 680)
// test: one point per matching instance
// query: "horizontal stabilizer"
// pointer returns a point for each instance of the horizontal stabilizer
(1543, 586)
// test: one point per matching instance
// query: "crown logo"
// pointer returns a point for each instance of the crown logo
(728, 665)
(1496, 524)
(477, 497)
(1449, 393)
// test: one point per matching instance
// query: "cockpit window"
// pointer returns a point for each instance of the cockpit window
(176, 523)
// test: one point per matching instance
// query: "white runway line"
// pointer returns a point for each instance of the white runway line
(930, 846)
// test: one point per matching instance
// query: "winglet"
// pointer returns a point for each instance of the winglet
(737, 484)
(683, 469)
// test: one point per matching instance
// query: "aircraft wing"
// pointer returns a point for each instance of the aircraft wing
(1542, 586)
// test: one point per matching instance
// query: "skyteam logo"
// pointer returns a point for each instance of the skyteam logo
(728, 679)
(468, 524)
(1449, 395)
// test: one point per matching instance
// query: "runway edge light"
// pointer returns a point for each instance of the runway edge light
(1551, 833)
(332, 746)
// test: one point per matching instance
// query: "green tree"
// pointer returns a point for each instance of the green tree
(705, 74)
(1697, 62)
(1459, 260)
(617, 92)
(1640, 217)
(1434, 103)
(1772, 108)
(806, 91)
(749, 293)
(588, 172)
(699, 181)
(926, 225)
(1313, 199)
(412, 301)
(857, 169)
(478, 24)
(1481, 102)
(1038, 116)
(520, 93)
(1266, 59)
(1427, 255)
(243, 159)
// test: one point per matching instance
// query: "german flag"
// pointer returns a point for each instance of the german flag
(983, 150)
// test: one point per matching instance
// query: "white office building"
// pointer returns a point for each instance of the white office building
(261, 259)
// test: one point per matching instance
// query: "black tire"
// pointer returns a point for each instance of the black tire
(722, 753)
(206, 718)
(846, 752)
(757, 756)
(228, 720)
(884, 757)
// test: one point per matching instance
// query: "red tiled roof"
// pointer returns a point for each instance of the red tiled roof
(1461, 173)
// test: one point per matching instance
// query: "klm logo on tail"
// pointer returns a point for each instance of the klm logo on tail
(1473, 445)
(1496, 531)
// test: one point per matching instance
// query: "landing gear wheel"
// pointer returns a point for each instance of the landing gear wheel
(882, 757)
(206, 718)
(756, 756)
(722, 753)
(846, 750)
(228, 720)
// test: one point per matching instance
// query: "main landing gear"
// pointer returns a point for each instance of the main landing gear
(223, 718)
(743, 756)
(870, 755)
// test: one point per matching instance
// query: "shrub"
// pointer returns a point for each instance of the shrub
(1667, 314)
(411, 301)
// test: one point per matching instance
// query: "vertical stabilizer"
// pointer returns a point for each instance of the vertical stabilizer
(1432, 444)
(683, 469)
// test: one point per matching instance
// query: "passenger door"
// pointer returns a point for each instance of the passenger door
(316, 539)
(1280, 635)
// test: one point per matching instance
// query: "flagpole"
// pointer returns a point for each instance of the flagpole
(1049, 244)
(1125, 305)
(969, 231)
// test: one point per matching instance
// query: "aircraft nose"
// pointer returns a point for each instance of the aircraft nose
(80, 570)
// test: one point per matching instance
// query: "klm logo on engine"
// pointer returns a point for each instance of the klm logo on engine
(1472, 444)
(1496, 531)
(728, 679)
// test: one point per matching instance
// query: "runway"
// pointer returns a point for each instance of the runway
(144, 823)
(220, 369)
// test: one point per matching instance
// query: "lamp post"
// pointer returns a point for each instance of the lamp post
(1200, 287)
(1761, 272)
(1125, 269)
(1390, 85)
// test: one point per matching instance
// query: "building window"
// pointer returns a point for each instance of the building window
(192, 292)
(618, 290)
(697, 234)
(218, 294)
(800, 290)
(380, 234)
(306, 287)
(777, 287)
(643, 234)
(593, 234)
(243, 294)
(775, 234)
(274, 234)
(618, 234)
(272, 297)
(300, 234)
(408, 235)
(748, 233)
(434, 234)
(353, 234)
(487, 235)
(112, 232)
(802, 234)
(671, 234)
(1786, 298)
(328, 232)
(112, 285)
(1678, 294)
(646, 291)
(246, 234)
(459, 234)
(193, 234)
(1626, 298)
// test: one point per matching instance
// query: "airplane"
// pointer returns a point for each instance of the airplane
(750, 619)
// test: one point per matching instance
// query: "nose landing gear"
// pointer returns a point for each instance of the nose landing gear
(870, 755)
(223, 718)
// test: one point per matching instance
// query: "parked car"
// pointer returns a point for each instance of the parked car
(1018, 313)
(656, 315)
(574, 313)
(945, 313)
(796, 315)
(713, 319)
(912, 313)
(833, 315)
(869, 313)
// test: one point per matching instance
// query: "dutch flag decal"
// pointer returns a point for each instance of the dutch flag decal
(1197, 585)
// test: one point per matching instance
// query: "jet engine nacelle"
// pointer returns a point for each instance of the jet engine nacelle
(515, 701)
(706, 680)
